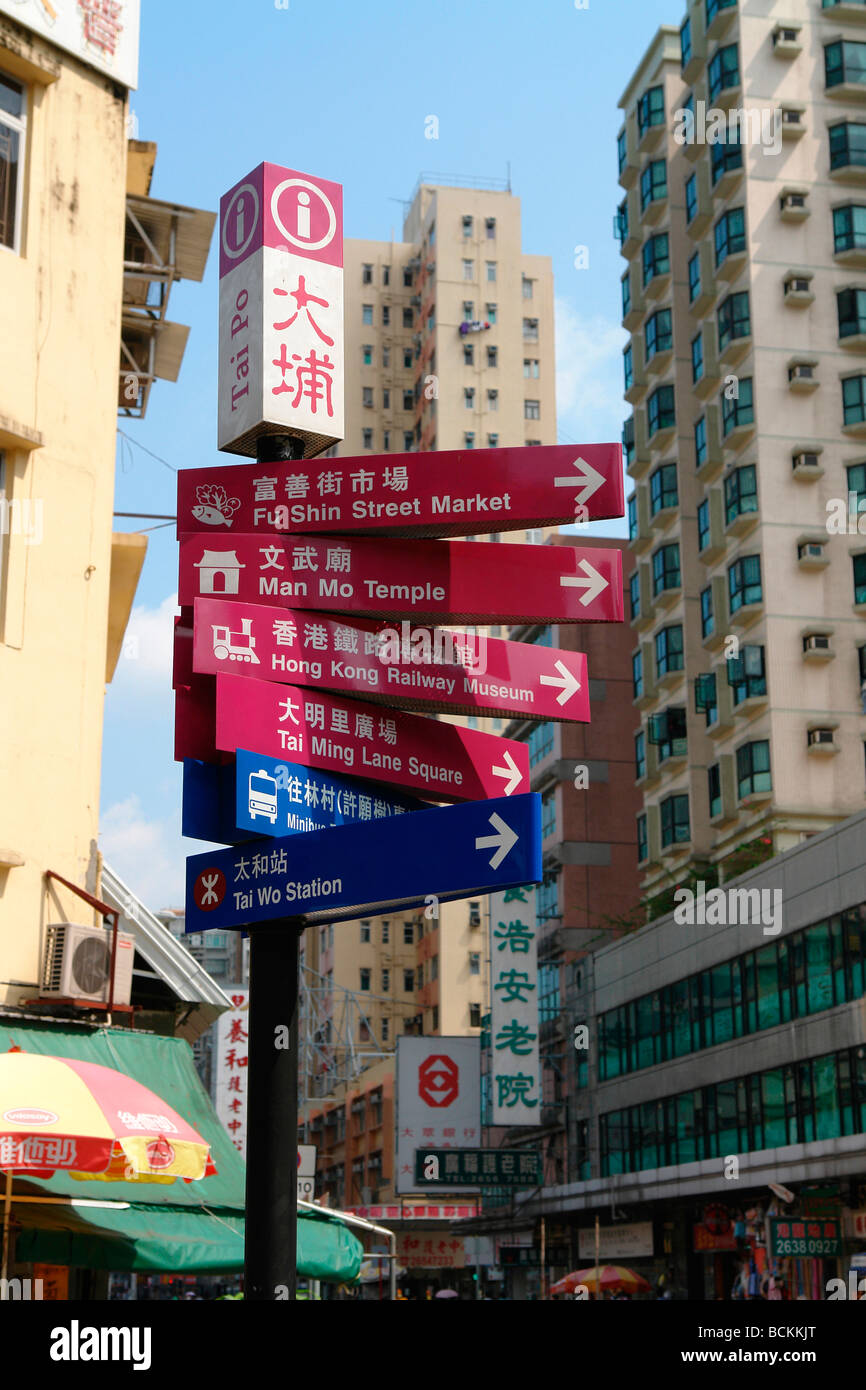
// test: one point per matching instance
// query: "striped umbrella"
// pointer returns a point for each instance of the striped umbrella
(610, 1277)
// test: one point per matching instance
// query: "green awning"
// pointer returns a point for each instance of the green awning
(178, 1227)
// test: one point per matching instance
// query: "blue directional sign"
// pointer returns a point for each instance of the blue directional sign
(369, 867)
(257, 795)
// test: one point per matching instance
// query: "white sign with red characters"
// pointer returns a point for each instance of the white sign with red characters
(281, 310)
(101, 33)
(438, 1099)
(230, 1064)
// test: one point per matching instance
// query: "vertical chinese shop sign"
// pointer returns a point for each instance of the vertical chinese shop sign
(230, 1068)
(515, 1076)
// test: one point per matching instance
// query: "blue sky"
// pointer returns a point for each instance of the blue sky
(343, 90)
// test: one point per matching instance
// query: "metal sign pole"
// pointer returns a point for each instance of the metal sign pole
(270, 1251)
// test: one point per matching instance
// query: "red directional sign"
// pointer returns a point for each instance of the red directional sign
(318, 729)
(460, 492)
(426, 581)
(405, 665)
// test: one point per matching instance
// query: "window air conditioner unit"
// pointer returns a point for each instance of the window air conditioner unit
(805, 460)
(78, 963)
(790, 201)
(816, 642)
(798, 284)
(811, 550)
(475, 919)
(817, 736)
(803, 371)
(791, 117)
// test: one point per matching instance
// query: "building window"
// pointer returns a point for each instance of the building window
(744, 582)
(685, 43)
(467, 226)
(490, 228)
(656, 257)
(733, 318)
(658, 333)
(666, 568)
(849, 228)
(653, 183)
(634, 596)
(367, 313)
(691, 197)
(856, 483)
(367, 397)
(703, 524)
(365, 977)
(386, 275)
(532, 410)
(847, 144)
(631, 512)
(707, 618)
(366, 275)
(738, 410)
(639, 755)
(700, 441)
(530, 330)
(408, 981)
(408, 933)
(669, 649)
(621, 151)
(474, 962)
(468, 270)
(548, 814)
(408, 441)
(628, 445)
(367, 439)
(407, 279)
(741, 492)
(723, 70)
(493, 441)
(845, 62)
(365, 931)
(492, 400)
(408, 318)
(651, 109)
(675, 820)
(469, 397)
(367, 352)
(530, 366)
(474, 1016)
(492, 357)
(697, 357)
(627, 368)
(660, 410)
(859, 563)
(747, 675)
(408, 400)
(753, 768)
(13, 125)
(694, 269)
(854, 400)
(730, 234)
(706, 697)
(637, 674)
(407, 357)
(540, 741)
(490, 267)
(668, 732)
(386, 356)
(663, 488)
(714, 790)
(468, 355)
(386, 981)
(626, 294)
(642, 847)
(725, 157)
(469, 439)
(386, 932)
(851, 311)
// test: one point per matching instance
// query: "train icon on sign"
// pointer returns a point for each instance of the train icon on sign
(234, 646)
(262, 796)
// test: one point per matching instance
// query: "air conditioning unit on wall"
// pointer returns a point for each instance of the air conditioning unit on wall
(78, 963)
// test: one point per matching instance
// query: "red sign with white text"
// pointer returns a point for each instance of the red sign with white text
(409, 666)
(427, 581)
(318, 729)
(462, 492)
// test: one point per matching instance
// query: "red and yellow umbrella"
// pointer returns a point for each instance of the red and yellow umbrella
(60, 1114)
(608, 1277)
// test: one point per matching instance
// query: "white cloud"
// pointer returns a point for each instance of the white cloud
(589, 401)
(148, 853)
(149, 643)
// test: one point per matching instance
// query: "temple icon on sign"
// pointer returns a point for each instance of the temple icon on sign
(219, 572)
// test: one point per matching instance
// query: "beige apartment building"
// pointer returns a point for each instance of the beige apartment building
(745, 299)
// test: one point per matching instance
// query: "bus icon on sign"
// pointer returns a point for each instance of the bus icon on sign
(263, 796)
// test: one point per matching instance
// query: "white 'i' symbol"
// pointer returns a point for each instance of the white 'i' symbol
(239, 222)
(304, 215)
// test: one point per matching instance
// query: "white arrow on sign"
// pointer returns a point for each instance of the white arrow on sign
(511, 772)
(589, 477)
(568, 684)
(503, 841)
(593, 582)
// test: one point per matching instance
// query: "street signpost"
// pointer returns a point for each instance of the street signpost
(327, 731)
(360, 870)
(478, 1168)
(256, 795)
(280, 316)
(470, 491)
(410, 666)
(306, 1172)
(425, 581)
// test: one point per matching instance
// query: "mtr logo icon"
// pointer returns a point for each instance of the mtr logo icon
(438, 1081)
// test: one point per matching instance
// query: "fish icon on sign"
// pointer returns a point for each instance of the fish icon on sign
(215, 507)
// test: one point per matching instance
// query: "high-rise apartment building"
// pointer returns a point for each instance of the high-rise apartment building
(743, 157)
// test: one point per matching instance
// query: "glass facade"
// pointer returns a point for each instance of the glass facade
(730, 234)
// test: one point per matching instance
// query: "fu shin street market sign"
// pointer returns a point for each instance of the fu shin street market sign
(318, 729)
(468, 492)
(413, 667)
(425, 581)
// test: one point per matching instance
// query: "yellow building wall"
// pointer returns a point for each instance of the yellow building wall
(61, 306)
